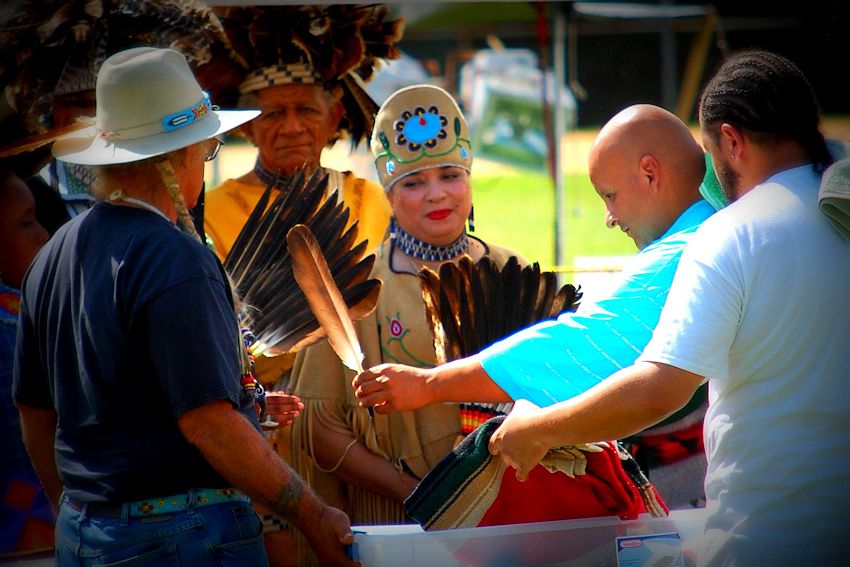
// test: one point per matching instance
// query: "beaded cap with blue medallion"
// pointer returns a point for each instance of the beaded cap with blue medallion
(417, 128)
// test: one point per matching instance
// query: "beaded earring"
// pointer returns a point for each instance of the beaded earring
(471, 219)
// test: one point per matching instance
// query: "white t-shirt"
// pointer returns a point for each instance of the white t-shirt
(761, 306)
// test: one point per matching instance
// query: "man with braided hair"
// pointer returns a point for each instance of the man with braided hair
(752, 312)
(128, 357)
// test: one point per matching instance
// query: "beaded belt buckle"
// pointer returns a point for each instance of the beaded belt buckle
(180, 502)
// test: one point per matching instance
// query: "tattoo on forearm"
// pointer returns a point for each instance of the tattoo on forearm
(288, 499)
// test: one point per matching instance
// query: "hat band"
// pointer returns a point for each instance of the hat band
(169, 123)
(289, 74)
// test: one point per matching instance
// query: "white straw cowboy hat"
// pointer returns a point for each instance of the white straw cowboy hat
(148, 104)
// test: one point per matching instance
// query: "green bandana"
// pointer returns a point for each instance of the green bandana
(710, 187)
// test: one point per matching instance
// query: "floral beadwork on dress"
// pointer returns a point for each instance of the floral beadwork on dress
(397, 329)
(397, 333)
(420, 128)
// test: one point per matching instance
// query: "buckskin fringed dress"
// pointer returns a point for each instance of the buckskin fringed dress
(413, 441)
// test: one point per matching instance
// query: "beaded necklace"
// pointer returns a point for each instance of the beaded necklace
(421, 250)
(266, 175)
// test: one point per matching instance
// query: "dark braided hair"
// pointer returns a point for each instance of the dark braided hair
(767, 95)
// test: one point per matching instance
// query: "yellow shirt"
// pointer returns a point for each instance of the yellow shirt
(227, 207)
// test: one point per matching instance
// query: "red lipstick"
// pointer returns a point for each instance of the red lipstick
(439, 214)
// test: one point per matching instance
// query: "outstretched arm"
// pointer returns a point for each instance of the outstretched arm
(628, 402)
(396, 387)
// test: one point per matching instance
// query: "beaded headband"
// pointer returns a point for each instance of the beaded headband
(290, 74)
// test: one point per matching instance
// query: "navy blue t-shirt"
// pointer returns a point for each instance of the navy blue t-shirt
(127, 323)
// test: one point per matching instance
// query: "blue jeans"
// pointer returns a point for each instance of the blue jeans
(226, 534)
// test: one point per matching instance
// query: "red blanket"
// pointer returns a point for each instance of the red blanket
(471, 488)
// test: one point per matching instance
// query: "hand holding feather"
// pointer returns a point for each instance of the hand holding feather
(315, 280)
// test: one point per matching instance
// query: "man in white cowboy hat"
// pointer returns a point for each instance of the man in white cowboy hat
(127, 370)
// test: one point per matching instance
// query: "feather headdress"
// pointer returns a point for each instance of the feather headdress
(54, 48)
(336, 46)
(470, 306)
(260, 265)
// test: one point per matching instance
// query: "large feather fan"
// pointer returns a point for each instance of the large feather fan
(470, 306)
(343, 43)
(275, 309)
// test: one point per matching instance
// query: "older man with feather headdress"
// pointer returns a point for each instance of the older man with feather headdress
(303, 67)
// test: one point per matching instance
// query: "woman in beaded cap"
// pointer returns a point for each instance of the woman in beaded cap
(369, 466)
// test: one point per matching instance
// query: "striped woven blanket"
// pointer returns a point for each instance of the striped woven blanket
(471, 488)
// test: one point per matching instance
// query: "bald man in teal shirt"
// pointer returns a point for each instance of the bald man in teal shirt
(647, 168)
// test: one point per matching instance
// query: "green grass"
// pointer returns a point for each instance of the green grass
(518, 212)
